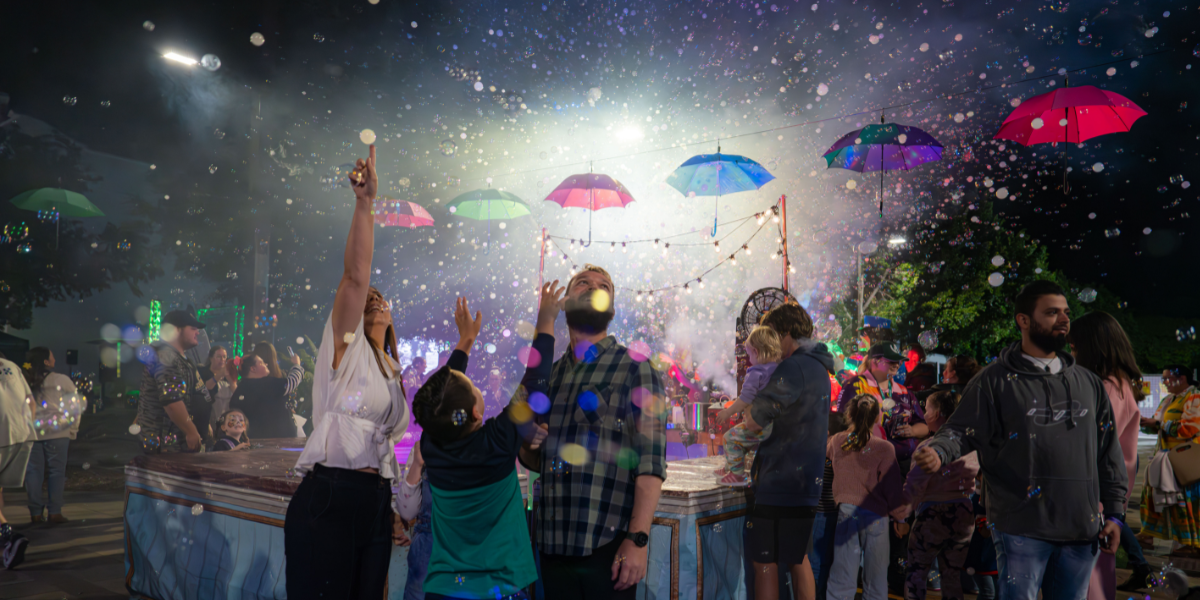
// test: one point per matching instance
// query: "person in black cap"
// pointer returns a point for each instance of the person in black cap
(171, 386)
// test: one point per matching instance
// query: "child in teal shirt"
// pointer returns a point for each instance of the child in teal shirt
(481, 546)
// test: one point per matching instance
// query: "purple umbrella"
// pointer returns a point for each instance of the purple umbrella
(592, 191)
(883, 147)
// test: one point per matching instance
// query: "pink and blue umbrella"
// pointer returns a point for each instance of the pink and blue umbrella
(716, 175)
(390, 212)
(592, 191)
(883, 147)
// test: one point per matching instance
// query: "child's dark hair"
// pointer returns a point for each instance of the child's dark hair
(945, 401)
(245, 433)
(836, 423)
(444, 406)
(861, 414)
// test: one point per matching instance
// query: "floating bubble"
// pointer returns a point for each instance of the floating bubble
(1111, 71)
(257, 39)
(197, 509)
(574, 454)
(413, 24)
(822, 89)
(1112, 233)
(997, 260)
(70, 100)
(318, 37)
(1087, 295)
(212, 169)
(539, 403)
(458, 417)
(448, 147)
(995, 279)
(1037, 123)
(928, 339)
(148, 25)
(210, 62)
(852, 184)
(1002, 193)
(479, 86)
(135, 429)
(105, 103)
(367, 136)
(594, 94)
(1146, 231)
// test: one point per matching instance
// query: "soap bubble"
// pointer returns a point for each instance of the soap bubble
(210, 62)
(257, 39)
(491, 348)
(479, 86)
(995, 279)
(997, 260)
(212, 169)
(448, 147)
(135, 429)
(928, 339)
(87, 466)
(197, 509)
(367, 136)
(822, 89)
(413, 24)
(594, 94)
(1111, 71)
(1037, 123)
(1002, 193)
(70, 100)
(1112, 233)
(1098, 167)
(574, 454)
(852, 184)
(149, 26)
(1087, 295)
(1146, 231)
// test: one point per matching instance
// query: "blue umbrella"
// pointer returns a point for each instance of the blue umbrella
(716, 175)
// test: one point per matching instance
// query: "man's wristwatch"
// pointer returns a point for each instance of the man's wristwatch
(638, 538)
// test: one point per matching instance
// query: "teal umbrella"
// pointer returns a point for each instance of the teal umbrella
(488, 205)
(57, 202)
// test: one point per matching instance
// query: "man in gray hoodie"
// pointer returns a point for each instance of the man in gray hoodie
(1053, 473)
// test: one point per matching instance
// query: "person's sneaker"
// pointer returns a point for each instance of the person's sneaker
(14, 551)
(734, 480)
(58, 519)
(1137, 580)
(721, 471)
(37, 519)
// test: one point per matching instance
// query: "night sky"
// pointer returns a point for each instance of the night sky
(520, 95)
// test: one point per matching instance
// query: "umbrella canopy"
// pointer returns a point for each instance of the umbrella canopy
(592, 191)
(883, 147)
(488, 205)
(390, 212)
(717, 175)
(64, 202)
(1072, 115)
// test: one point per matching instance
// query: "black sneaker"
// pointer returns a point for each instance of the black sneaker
(14, 551)
(1137, 580)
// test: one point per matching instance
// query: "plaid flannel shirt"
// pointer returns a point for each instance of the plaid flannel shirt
(606, 429)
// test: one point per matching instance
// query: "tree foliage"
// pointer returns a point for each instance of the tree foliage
(39, 264)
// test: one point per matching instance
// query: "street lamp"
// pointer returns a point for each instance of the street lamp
(191, 62)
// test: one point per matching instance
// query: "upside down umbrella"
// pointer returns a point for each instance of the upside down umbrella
(488, 205)
(57, 202)
(390, 212)
(883, 147)
(592, 191)
(716, 175)
(1071, 115)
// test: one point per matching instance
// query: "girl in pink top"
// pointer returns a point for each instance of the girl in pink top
(867, 487)
(1100, 345)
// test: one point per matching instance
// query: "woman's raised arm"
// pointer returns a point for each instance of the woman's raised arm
(351, 296)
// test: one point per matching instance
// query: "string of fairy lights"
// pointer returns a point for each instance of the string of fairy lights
(771, 215)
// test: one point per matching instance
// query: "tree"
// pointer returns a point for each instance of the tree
(38, 264)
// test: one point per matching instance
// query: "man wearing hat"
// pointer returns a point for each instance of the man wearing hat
(903, 426)
(170, 385)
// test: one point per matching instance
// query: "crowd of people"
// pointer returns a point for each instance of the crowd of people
(1007, 480)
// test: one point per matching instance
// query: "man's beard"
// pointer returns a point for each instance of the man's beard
(1046, 339)
(582, 317)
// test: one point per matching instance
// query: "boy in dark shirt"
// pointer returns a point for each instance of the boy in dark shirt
(481, 545)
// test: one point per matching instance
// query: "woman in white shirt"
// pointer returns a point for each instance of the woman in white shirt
(56, 423)
(341, 522)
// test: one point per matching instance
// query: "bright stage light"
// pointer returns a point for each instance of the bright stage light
(896, 241)
(180, 59)
(629, 133)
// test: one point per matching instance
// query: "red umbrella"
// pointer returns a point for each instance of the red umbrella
(390, 212)
(1071, 114)
(592, 191)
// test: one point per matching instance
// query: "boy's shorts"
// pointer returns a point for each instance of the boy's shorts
(13, 461)
(779, 534)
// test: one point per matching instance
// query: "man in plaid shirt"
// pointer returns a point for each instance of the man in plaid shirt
(604, 461)
(171, 388)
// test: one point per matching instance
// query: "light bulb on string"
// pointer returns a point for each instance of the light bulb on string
(624, 250)
(655, 242)
(686, 288)
(701, 282)
(638, 297)
(733, 259)
(775, 219)
(746, 248)
(613, 247)
(717, 246)
(761, 218)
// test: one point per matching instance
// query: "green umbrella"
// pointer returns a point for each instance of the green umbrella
(54, 200)
(64, 202)
(488, 205)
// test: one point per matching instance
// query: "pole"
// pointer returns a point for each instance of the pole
(541, 266)
(858, 262)
(786, 263)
